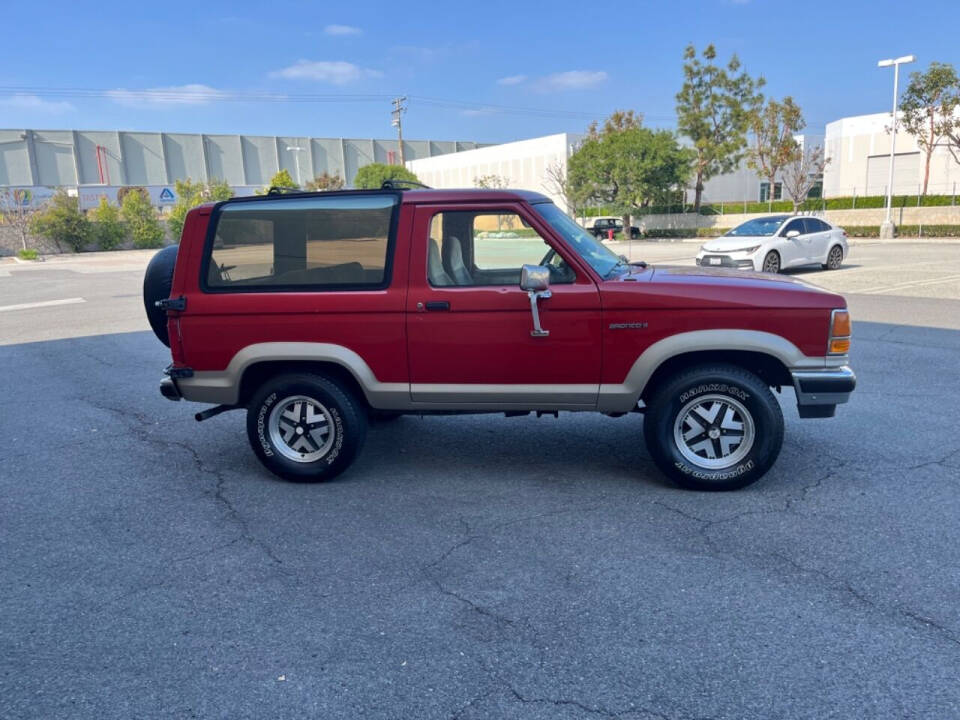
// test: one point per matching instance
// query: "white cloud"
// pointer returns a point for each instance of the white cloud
(342, 30)
(192, 94)
(21, 101)
(572, 80)
(511, 80)
(336, 72)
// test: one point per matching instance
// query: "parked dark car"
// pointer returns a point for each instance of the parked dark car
(602, 226)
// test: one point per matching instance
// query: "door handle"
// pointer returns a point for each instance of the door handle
(436, 305)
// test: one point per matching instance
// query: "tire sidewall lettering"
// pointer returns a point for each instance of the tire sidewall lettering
(705, 388)
(262, 424)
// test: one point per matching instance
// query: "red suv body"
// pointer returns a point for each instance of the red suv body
(372, 304)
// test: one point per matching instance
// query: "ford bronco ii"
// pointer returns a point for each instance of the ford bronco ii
(318, 313)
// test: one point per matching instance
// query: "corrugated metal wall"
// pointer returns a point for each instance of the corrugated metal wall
(82, 157)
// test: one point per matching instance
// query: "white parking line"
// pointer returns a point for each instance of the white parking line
(47, 303)
(905, 285)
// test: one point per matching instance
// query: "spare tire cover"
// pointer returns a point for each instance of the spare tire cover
(157, 281)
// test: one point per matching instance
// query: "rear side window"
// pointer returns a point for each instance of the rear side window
(336, 242)
(813, 225)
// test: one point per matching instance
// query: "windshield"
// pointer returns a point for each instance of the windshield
(759, 227)
(598, 256)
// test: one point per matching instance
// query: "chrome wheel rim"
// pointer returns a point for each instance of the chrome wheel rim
(771, 263)
(714, 431)
(836, 257)
(301, 429)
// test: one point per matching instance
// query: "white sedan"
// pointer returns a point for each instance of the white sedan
(771, 244)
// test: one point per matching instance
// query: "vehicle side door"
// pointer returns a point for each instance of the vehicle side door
(470, 325)
(793, 251)
(818, 234)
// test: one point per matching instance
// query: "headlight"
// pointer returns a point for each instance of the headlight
(749, 250)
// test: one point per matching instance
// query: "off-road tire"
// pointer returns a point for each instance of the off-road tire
(157, 281)
(730, 387)
(335, 408)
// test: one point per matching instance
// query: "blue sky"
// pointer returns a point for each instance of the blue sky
(568, 61)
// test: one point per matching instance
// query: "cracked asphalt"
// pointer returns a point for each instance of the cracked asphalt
(469, 567)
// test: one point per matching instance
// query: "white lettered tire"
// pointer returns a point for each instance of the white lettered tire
(715, 427)
(305, 427)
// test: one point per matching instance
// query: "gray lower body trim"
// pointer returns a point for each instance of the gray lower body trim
(829, 386)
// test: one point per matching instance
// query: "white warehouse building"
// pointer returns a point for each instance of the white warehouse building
(522, 165)
(859, 152)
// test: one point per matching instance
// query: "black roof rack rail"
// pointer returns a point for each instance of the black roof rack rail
(398, 184)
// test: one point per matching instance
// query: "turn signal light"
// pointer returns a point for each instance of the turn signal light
(839, 346)
(840, 324)
(840, 331)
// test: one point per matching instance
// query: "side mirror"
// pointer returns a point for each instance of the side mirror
(793, 234)
(534, 278)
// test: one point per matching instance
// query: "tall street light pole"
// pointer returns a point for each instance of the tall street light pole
(887, 229)
(296, 159)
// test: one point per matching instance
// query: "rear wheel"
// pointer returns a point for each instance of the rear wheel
(834, 258)
(714, 428)
(771, 262)
(305, 427)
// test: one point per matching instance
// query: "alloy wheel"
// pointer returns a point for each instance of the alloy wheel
(301, 429)
(714, 431)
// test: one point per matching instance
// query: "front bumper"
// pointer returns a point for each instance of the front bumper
(713, 259)
(820, 391)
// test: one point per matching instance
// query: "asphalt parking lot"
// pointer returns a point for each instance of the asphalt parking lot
(476, 566)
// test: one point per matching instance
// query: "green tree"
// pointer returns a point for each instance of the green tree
(773, 148)
(282, 180)
(141, 220)
(627, 167)
(107, 227)
(191, 194)
(62, 222)
(372, 176)
(929, 106)
(326, 181)
(714, 109)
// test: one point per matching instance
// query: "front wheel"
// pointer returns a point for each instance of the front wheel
(714, 428)
(771, 262)
(305, 427)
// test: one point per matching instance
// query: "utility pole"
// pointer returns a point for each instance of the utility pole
(398, 109)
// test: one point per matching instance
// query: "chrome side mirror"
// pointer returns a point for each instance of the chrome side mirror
(793, 234)
(535, 279)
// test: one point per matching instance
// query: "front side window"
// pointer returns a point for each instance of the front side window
(469, 248)
(592, 251)
(340, 241)
(793, 225)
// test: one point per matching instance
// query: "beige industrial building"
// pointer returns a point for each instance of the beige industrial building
(859, 152)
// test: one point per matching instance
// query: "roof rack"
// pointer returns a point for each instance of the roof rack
(398, 184)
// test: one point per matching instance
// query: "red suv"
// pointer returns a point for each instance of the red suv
(320, 312)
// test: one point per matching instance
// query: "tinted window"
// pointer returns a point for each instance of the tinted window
(337, 241)
(758, 227)
(794, 225)
(812, 225)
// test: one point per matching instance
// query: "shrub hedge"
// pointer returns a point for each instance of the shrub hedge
(873, 231)
(780, 206)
